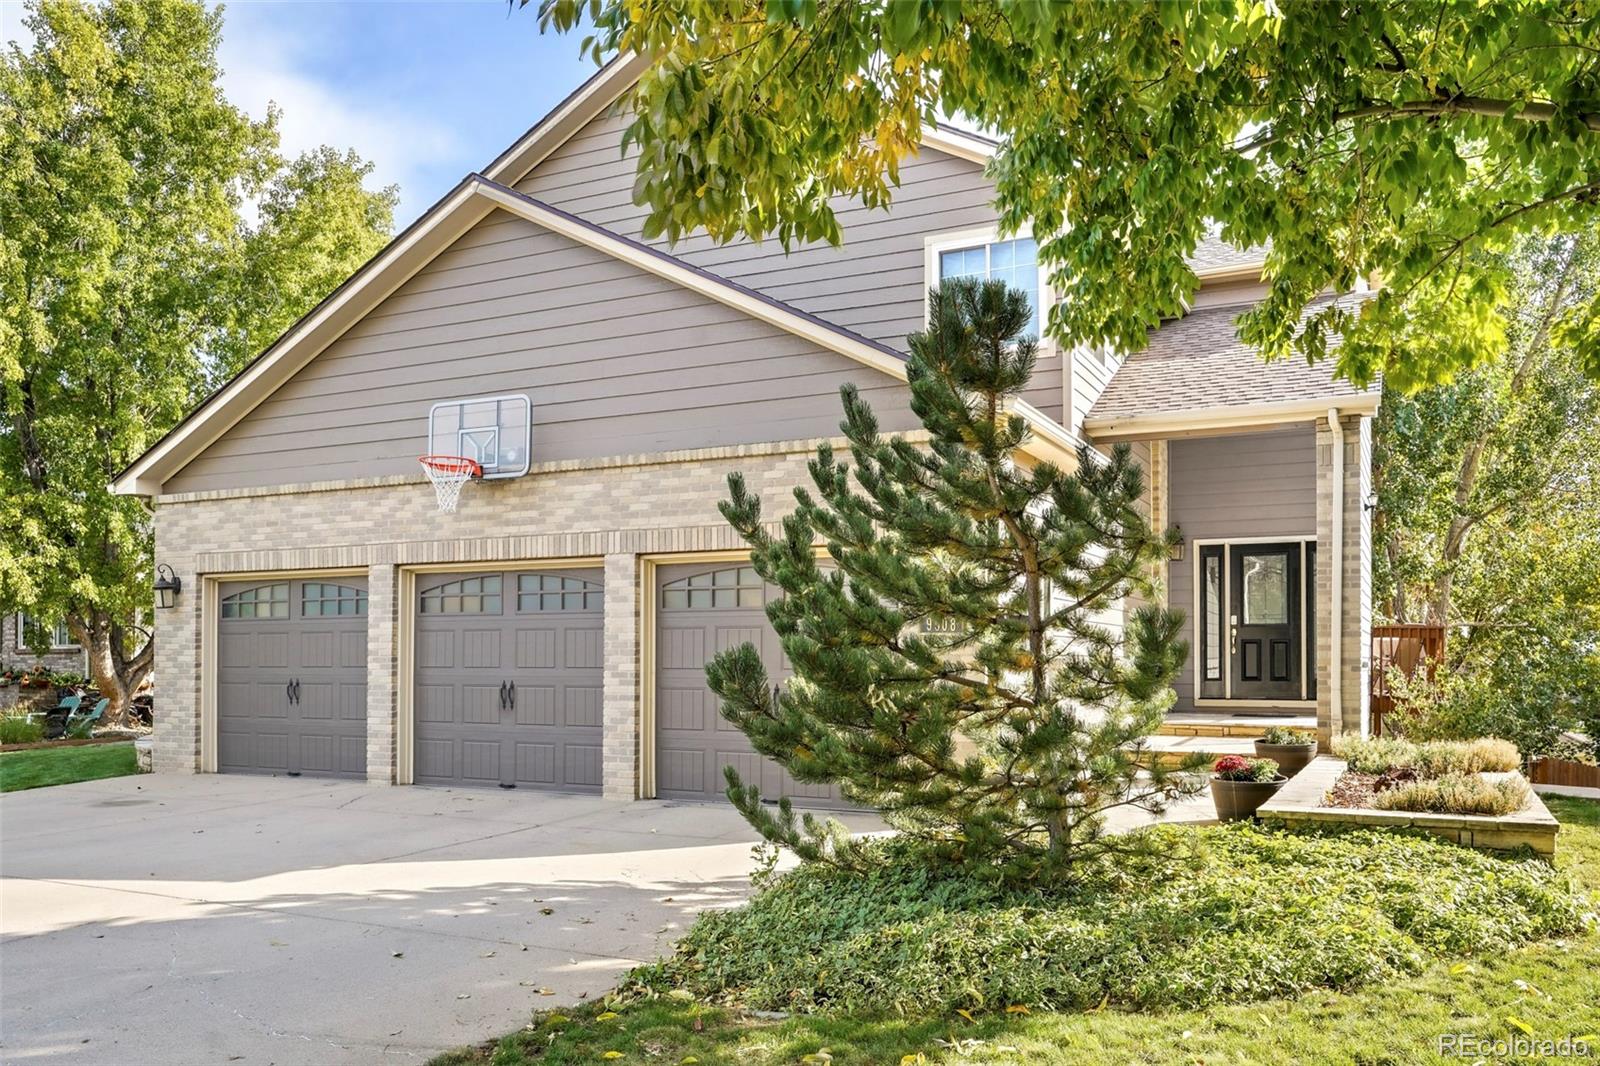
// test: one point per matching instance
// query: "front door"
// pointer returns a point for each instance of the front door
(1265, 621)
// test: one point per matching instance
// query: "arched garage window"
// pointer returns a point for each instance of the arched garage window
(733, 586)
(263, 601)
(553, 592)
(320, 598)
(472, 595)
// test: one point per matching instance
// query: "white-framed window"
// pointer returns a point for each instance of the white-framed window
(60, 636)
(986, 254)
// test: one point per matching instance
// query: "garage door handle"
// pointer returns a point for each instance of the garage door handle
(511, 694)
(297, 691)
(502, 695)
(288, 692)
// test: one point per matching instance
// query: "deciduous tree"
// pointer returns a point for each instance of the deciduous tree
(133, 278)
(1392, 139)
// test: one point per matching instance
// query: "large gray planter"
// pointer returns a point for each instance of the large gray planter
(1291, 758)
(1237, 800)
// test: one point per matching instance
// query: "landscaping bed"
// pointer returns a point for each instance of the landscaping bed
(1545, 990)
(1326, 795)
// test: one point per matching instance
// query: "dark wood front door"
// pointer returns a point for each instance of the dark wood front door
(1265, 623)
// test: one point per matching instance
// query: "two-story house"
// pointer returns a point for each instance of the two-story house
(551, 632)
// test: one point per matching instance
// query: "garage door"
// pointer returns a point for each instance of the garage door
(292, 677)
(509, 669)
(702, 610)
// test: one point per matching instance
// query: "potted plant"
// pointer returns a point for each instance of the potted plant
(1291, 749)
(1240, 785)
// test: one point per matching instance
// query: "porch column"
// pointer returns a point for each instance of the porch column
(1353, 572)
(383, 665)
(620, 741)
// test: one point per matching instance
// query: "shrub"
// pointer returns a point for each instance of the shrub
(1463, 702)
(1374, 755)
(1491, 754)
(1239, 768)
(1284, 735)
(20, 729)
(1248, 913)
(1456, 794)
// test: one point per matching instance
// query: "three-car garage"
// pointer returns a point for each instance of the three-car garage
(504, 675)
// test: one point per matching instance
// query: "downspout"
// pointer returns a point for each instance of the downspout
(1336, 578)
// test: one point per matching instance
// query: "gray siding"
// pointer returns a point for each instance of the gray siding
(616, 362)
(1250, 485)
(873, 284)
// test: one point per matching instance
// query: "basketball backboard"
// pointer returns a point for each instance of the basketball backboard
(495, 431)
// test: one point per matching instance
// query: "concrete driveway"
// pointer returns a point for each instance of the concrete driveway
(221, 919)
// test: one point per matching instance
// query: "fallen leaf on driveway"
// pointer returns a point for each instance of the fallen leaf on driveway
(397, 954)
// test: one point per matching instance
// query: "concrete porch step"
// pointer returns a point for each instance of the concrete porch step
(1222, 724)
(1174, 749)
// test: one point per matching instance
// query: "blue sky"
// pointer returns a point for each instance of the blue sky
(427, 91)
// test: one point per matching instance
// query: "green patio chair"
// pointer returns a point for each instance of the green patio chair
(69, 705)
(81, 716)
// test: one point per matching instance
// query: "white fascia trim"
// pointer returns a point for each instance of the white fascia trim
(1242, 416)
(954, 142)
(292, 351)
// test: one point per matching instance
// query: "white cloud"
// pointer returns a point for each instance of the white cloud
(261, 69)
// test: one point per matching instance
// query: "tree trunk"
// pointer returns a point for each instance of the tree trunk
(116, 675)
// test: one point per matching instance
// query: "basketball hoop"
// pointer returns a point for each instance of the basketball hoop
(448, 473)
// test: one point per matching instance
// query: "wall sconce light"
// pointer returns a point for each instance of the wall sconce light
(1370, 503)
(168, 585)
(1175, 553)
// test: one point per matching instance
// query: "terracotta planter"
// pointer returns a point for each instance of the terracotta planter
(1237, 800)
(1291, 758)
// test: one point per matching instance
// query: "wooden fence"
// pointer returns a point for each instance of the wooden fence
(1547, 771)
(1406, 647)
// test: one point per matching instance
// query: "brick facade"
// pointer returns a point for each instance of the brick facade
(615, 510)
(13, 652)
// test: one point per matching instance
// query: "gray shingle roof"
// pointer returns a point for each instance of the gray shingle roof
(1198, 362)
(1212, 254)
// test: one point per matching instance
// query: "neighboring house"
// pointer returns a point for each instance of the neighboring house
(63, 655)
(552, 632)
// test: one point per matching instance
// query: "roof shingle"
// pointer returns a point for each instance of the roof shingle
(1198, 363)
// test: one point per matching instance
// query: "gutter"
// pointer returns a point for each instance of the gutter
(1104, 428)
(1336, 578)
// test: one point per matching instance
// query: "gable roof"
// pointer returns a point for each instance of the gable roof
(1196, 373)
(466, 205)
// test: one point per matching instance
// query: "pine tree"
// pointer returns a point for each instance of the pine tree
(953, 665)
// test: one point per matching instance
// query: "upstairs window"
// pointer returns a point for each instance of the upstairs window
(1015, 262)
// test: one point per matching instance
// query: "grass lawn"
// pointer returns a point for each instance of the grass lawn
(62, 766)
(1551, 991)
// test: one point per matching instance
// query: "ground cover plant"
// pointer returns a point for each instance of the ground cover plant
(1437, 777)
(1547, 990)
(60, 766)
(1245, 914)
